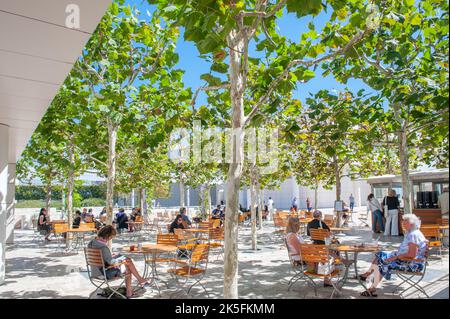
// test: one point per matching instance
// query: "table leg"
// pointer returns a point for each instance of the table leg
(355, 260)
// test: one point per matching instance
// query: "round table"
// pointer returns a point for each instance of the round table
(154, 250)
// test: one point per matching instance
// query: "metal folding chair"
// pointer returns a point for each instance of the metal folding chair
(94, 258)
(412, 279)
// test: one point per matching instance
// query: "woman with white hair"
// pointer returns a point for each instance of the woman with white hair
(409, 256)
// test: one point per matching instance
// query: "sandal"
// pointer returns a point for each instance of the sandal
(363, 278)
(327, 284)
(368, 293)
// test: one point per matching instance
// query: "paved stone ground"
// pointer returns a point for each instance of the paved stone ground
(37, 270)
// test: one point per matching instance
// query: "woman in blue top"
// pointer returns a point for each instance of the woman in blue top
(414, 246)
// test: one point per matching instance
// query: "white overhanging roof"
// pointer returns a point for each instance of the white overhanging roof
(37, 51)
(428, 174)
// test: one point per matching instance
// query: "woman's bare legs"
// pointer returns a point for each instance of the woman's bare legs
(371, 268)
(128, 283)
(132, 269)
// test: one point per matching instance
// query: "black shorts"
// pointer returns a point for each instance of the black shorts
(112, 273)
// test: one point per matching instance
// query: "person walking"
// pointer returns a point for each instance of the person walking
(308, 204)
(377, 216)
(443, 204)
(391, 205)
(294, 205)
(270, 208)
(351, 199)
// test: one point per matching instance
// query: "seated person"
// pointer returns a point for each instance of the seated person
(293, 241)
(177, 223)
(43, 224)
(185, 217)
(89, 218)
(77, 220)
(217, 213)
(121, 220)
(414, 246)
(104, 235)
(316, 223)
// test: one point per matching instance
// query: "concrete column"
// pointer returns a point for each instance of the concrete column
(10, 203)
(4, 150)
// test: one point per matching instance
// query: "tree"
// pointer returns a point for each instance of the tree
(405, 59)
(126, 52)
(221, 28)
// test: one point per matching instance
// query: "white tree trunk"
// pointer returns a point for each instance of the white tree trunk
(253, 203)
(404, 167)
(260, 205)
(230, 280)
(112, 140)
(182, 195)
(316, 195)
(48, 196)
(337, 177)
(143, 201)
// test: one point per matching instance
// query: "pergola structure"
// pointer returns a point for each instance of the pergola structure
(40, 41)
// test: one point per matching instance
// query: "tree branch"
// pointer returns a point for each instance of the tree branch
(207, 88)
(263, 14)
(307, 64)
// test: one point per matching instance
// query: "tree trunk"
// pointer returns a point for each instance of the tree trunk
(253, 203)
(316, 195)
(70, 188)
(260, 204)
(112, 140)
(48, 196)
(337, 176)
(182, 195)
(208, 198)
(230, 280)
(143, 201)
(404, 167)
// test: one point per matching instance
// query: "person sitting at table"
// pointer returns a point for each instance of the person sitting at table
(177, 223)
(293, 241)
(104, 235)
(121, 220)
(185, 217)
(84, 213)
(317, 223)
(43, 224)
(89, 217)
(77, 220)
(409, 257)
(132, 219)
(102, 213)
(216, 213)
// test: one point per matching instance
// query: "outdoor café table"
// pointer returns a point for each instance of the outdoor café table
(154, 250)
(355, 250)
(78, 234)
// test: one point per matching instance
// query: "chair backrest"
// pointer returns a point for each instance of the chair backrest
(139, 219)
(167, 239)
(312, 253)
(328, 219)
(94, 257)
(442, 221)
(319, 234)
(204, 225)
(216, 234)
(60, 228)
(241, 218)
(430, 231)
(87, 225)
(200, 253)
(216, 223)
(309, 214)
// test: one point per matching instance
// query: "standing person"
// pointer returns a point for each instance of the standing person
(43, 224)
(308, 204)
(294, 205)
(270, 208)
(375, 207)
(391, 203)
(351, 199)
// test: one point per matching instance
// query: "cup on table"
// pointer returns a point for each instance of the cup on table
(132, 247)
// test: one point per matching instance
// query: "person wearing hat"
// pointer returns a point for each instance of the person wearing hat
(317, 223)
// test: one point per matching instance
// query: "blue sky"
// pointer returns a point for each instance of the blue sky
(289, 25)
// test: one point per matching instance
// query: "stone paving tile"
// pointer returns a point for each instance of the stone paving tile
(37, 270)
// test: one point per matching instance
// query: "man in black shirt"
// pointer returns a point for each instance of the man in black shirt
(177, 223)
(77, 220)
(315, 224)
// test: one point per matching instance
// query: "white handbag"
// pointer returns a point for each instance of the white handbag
(325, 268)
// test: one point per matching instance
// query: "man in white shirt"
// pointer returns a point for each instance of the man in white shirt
(270, 207)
